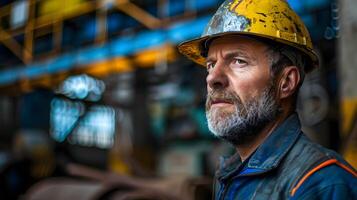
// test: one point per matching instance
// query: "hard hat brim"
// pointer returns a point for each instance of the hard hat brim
(193, 49)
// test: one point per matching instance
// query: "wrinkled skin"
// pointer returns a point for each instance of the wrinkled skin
(241, 95)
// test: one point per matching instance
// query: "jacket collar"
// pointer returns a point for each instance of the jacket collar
(275, 147)
(268, 155)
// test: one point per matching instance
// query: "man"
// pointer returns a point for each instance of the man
(257, 53)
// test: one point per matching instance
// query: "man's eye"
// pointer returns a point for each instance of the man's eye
(210, 65)
(238, 61)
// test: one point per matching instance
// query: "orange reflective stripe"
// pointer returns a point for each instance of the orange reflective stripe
(347, 168)
(320, 166)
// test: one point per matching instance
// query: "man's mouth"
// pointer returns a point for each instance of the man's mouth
(220, 102)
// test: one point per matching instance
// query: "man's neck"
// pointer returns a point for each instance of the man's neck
(245, 150)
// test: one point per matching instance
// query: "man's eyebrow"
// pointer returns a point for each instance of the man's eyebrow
(209, 59)
(235, 53)
(229, 55)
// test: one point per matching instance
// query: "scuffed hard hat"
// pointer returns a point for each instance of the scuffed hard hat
(268, 19)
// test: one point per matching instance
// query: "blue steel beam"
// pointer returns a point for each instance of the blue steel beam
(131, 44)
(121, 47)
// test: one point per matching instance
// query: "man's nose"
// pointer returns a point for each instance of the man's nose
(217, 77)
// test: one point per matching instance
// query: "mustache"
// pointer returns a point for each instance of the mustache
(221, 95)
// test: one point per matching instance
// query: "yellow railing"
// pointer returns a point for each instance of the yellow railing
(47, 16)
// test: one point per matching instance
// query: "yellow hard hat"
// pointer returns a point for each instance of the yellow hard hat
(269, 19)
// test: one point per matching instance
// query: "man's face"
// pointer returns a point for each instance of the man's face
(241, 97)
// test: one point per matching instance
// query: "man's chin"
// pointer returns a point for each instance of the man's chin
(218, 114)
(234, 137)
(234, 132)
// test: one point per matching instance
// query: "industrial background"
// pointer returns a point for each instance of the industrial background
(94, 97)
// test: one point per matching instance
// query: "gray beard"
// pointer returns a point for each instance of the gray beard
(247, 121)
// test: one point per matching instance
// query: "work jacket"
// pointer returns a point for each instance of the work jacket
(287, 165)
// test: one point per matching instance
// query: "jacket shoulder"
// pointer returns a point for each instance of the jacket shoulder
(312, 152)
(327, 183)
(324, 171)
(307, 152)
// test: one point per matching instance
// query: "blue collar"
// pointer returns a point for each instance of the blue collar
(275, 147)
(268, 155)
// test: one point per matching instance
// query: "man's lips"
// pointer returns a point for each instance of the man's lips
(220, 102)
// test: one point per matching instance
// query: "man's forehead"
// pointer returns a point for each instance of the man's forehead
(238, 42)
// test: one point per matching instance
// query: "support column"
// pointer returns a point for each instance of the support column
(348, 78)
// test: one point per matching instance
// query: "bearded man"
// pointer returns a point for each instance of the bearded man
(257, 53)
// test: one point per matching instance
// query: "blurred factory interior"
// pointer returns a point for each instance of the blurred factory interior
(94, 92)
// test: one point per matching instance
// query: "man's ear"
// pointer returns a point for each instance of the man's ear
(289, 81)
